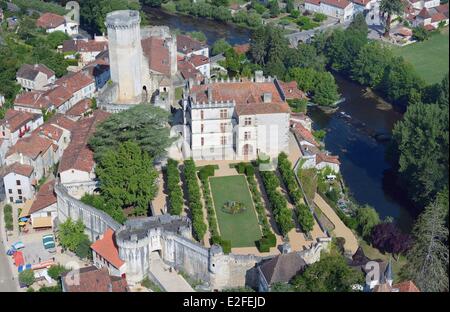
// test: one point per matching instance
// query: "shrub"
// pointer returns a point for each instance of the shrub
(319, 17)
(55, 271)
(27, 277)
(206, 172)
(249, 170)
(240, 167)
(174, 187)
(263, 245)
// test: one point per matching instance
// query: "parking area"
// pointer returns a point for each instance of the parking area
(34, 251)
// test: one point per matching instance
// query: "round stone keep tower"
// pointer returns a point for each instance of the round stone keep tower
(125, 54)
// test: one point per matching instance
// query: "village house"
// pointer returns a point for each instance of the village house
(418, 5)
(105, 254)
(36, 151)
(201, 63)
(362, 6)
(76, 167)
(18, 124)
(100, 71)
(18, 182)
(3, 150)
(235, 119)
(280, 269)
(188, 71)
(187, 46)
(60, 97)
(35, 77)
(57, 135)
(431, 18)
(81, 109)
(92, 279)
(43, 210)
(86, 49)
(53, 22)
(341, 9)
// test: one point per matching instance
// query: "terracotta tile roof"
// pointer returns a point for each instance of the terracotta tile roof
(107, 248)
(282, 268)
(438, 17)
(186, 44)
(315, 2)
(74, 82)
(443, 8)
(407, 286)
(78, 155)
(33, 99)
(22, 169)
(361, 2)
(291, 90)
(62, 121)
(187, 70)
(247, 95)
(92, 279)
(424, 13)
(30, 72)
(31, 146)
(80, 108)
(303, 134)
(84, 45)
(323, 157)
(157, 54)
(50, 131)
(406, 32)
(198, 60)
(14, 119)
(241, 48)
(342, 4)
(44, 197)
(429, 27)
(50, 20)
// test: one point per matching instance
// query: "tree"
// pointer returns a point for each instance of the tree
(428, 258)
(26, 277)
(55, 271)
(71, 234)
(422, 143)
(370, 64)
(274, 8)
(389, 8)
(289, 6)
(305, 78)
(56, 38)
(325, 89)
(367, 217)
(387, 237)
(420, 33)
(330, 274)
(220, 46)
(144, 124)
(127, 178)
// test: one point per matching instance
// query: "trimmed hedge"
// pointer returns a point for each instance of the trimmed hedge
(278, 202)
(174, 188)
(194, 197)
(206, 171)
(305, 217)
(7, 216)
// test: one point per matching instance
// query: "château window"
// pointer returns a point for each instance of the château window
(247, 121)
(223, 126)
(247, 135)
(223, 140)
(223, 114)
(203, 141)
(202, 127)
(202, 114)
(17, 182)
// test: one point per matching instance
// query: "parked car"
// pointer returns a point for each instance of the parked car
(18, 245)
(49, 243)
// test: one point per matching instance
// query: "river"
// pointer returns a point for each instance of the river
(363, 165)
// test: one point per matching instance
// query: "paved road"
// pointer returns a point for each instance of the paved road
(340, 229)
(6, 276)
(171, 281)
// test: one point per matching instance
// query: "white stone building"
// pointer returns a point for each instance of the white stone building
(18, 124)
(235, 119)
(188, 46)
(106, 255)
(18, 182)
(53, 22)
(35, 77)
(341, 9)
(43, 210)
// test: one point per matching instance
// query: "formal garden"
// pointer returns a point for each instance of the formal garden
(235, 210)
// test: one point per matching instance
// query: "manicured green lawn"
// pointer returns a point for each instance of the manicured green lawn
(242, 228)
(430, 58)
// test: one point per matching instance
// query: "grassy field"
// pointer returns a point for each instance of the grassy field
(242, 228)
(430, 58)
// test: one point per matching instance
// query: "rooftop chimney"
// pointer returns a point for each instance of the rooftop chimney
(259, 76)
(210, 96)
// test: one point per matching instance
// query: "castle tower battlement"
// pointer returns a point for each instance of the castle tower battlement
(125, 53)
